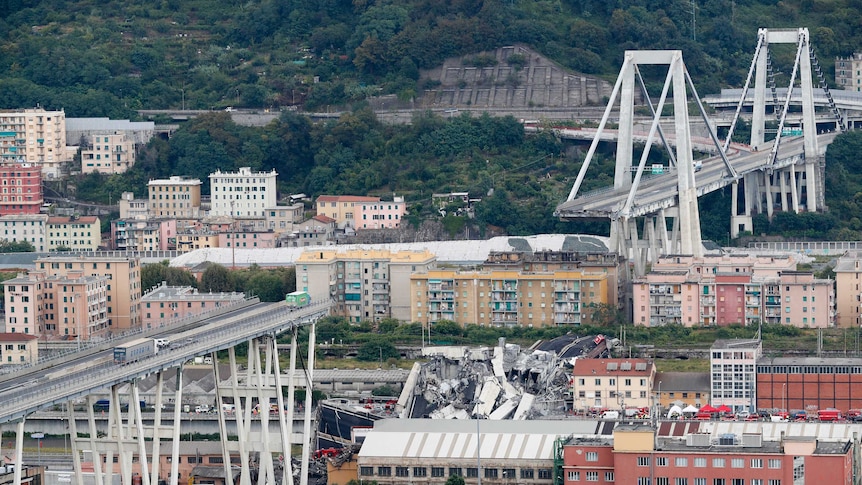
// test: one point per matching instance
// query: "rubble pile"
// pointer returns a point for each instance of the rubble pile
(503, 382)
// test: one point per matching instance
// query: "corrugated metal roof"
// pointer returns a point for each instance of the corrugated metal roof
(456, 439)
(457, 252)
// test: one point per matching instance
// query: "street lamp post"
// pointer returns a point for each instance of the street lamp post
(784, 397)
(658, 401)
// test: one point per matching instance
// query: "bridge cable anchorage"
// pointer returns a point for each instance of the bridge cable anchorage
(761, 43)
(825, 87)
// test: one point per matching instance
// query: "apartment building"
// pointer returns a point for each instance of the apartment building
(506, 297)
(848, 293)
(165, 304)
(721, 290)
(317, 231)
(733, 378)
(36, 137)
(640, 454)
(123, 287)
(18, 349)
(367, 285)
(108, 153)
(848, 72)
(31, 228)
(281, 219)
(21, 185)
(76, 233)
(175, 197)
(613, 384)
(132, 208)
(57, 307)
(247, 239)
(242, 194)
(362, 212)
(144, 234)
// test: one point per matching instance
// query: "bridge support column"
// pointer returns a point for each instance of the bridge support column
(19, 450)
(306, 424)
(739, 222)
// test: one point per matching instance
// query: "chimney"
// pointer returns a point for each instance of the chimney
(781, 442)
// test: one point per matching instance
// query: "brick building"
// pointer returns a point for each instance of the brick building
(21, 186)
(809, 383)
(635, 455)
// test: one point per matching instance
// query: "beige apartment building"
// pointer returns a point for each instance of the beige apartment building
(506, 298)
(176, 197)
(18, 349)
(848, 290)
(848, 72)
(108, 153)
(132, 208)
(77, 233)
(34, 136)
(613, 384)
(123, 286)
(367, 285)
(31, 228)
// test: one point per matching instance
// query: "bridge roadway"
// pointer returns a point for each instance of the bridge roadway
(70, 380)
(661, 191)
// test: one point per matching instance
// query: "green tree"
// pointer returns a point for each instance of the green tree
(16, 247)
(455, 480)
(154, 274)
(216, 278)
(377, 350)
(384, 391)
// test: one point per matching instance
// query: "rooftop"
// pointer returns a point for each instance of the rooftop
(16, 337)
(736, 344)
(683, 381)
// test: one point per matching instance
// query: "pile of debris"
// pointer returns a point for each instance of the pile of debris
(503, 382)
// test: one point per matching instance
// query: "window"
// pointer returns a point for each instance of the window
(472, 473)
(527, 473)
(737, 481)
(384, 471)
(592, 456)
(592, 476)
(508, 473)
(757, 463)
(420, 471)
(756, 481)
(643, 461)
(437, 471)
(402, 471)
(680, 481)
(681, 462)
(737, 463)
(546, 473)
(661, 461)
(717, 481)
(700, 462)
(574, 476)
(644, 481)
(700, 481)
(774, 481)
(609, 476)
(718, 462)
(366, 471)
(491, 473)
(774, 463)
(455, 471)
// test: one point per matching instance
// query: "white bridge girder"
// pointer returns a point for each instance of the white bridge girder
(137, 446)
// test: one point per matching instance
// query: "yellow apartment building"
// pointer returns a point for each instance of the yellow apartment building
(82, 233)
(507, 297)
(176, 197)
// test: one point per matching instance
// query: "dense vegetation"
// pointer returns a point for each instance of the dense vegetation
(109, 58)
(266, 284)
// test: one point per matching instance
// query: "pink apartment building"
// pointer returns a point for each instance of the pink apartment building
(164, 304)
(362, 212)
(722, 290)
(247, 239)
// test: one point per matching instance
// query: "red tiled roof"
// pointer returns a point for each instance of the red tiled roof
(16, 337)
(346, 198)
(324, 219)
(599, 367)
